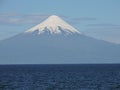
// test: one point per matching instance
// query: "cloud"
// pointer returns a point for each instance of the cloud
(103, 25)
(80, 20)
(16, 19)
(35, 18)
(84, 19)
(8, 14)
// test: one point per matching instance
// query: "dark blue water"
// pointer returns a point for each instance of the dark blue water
(60, 77)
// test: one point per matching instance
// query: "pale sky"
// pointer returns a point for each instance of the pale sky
(96, 18)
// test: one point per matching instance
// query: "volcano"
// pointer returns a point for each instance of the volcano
(54, 41)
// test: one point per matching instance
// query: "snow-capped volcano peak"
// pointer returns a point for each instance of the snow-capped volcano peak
(54, 25)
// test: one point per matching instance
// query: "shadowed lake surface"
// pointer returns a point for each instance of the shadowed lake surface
(60, 77)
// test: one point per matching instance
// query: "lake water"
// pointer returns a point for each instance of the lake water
(60, 77)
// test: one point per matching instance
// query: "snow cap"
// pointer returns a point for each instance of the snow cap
(55, 25)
